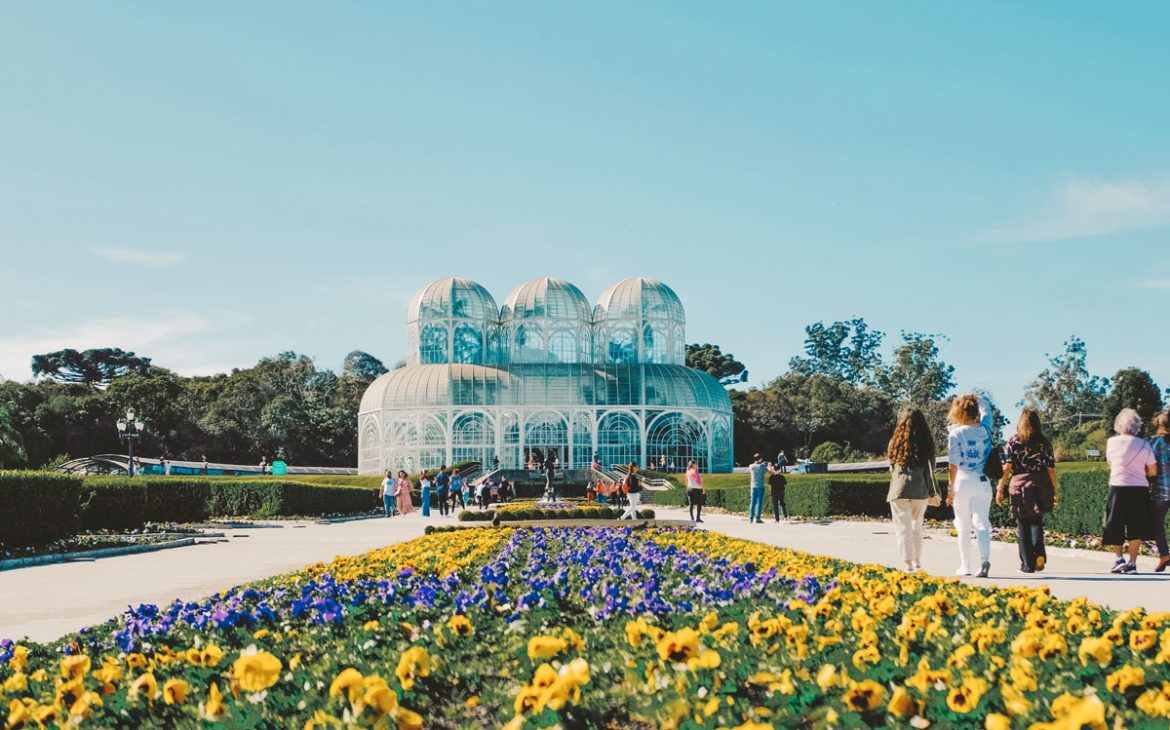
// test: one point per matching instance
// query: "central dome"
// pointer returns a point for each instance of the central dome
(547, 320)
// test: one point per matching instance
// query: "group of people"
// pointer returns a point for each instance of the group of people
(604, 491)
(1024, 475)
(446, 487)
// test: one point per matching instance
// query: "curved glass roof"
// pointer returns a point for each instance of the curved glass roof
(547, 298)
(552, 385)
(452, 297)
(639, 299)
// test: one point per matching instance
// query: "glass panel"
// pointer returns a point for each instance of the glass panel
(433, 344)
(674, 439)
(468, 344)
(619, 439)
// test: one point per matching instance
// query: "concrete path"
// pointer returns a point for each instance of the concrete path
(1070, 573)
(46, 602)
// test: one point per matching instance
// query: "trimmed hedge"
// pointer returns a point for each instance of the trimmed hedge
(601, 513)
(1083, 490)
(40, 507)
(37, 507)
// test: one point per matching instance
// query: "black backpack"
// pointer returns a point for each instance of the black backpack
(993, 469)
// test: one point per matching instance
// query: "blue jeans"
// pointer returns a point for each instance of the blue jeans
(757, 505)
(390, 505)
(426, 502)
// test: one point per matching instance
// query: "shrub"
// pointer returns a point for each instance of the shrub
(37, 507)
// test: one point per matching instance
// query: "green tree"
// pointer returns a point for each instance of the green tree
(847, 350)
(1065, 393)
(93, 367)
(11, 444)
(362, 365)
(916, 376)
(710, 358)
(1133, 388)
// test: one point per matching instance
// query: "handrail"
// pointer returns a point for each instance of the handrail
(654, 484)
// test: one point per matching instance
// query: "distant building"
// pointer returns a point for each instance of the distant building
(547, 372)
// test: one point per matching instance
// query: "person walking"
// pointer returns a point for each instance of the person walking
(458, 494)
(782, 461)
(402, 487)
(1030, 469)
(389, 500)
(443, 486)
(694, 491)
(758, 470)
(425, 483)
(550, 474)
(969, 492)
(1160, 485)
(1128, 508)
(263, 465)
(632, 486)
(205, 465)
(777, 482)
(912, 485)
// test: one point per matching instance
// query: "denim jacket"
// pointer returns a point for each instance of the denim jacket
(1161, 482)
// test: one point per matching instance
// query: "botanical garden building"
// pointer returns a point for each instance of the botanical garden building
(545, 372)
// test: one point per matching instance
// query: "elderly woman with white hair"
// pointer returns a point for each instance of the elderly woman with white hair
(1128, 513)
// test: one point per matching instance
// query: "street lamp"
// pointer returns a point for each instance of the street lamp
(129, 430)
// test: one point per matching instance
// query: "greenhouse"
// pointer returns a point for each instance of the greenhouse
(546, 372)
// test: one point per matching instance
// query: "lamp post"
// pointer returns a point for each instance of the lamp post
(130, 430)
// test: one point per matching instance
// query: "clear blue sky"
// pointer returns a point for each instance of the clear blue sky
(209, 183)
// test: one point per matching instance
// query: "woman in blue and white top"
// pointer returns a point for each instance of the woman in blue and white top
(968, 447)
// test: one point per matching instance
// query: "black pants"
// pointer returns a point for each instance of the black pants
(1160, 508)
(695, 503)
(444, 503)
(1030, 536)
(778, 506)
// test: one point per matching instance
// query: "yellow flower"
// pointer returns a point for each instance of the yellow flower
(372, 625)
(1124, 678)
(996, 721)
(730, 628)
(349, 681)
(827, 677)
(145, 684)
(960, 656)
(1155, 702)
(1099, 650)
(708, 659)
(74, 666)
(39, 676)
(965, 697)
(379, 695)
(868, 655)
(415, 662)
(322, 719)
(902, 704)
(574, 639)
(678, 646)
(409, 719)
(83, 706)
(19, 659)
(1080, 713)
(209, 656)
(635, 630)
(1143, 640)
(16, 683)
(256, 672)
(866, 695)
(135, 661)
(545, 647)
(260, 634)
(1054, 645)
(1014, 702)
(460, 625)
(175, 691)
(709, 622)
(18, 713)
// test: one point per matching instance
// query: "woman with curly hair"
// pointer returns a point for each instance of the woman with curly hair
(1031, 468)
(911, 455)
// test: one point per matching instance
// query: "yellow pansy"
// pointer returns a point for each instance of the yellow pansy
(349, 681)
(256, 672)
(414, 663)
(175, 691)
(1099, 650)
(460, 625)
(545, 647)
(1124, 678)
(865, 695)
(966, 696)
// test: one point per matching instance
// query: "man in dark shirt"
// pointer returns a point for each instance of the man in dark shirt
(777, 482)
(443, 483)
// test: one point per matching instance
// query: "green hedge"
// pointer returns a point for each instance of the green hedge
(1083, 490)
(37, 507)
(603, 513)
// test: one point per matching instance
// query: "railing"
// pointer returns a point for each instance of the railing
(654, 484)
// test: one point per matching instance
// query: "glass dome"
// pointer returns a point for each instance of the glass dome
(452, 320)
(639, 320)
(547, 320)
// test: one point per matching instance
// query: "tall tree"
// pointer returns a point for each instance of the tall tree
(1133, 388)
(362, 365)
(93, 367)
(11, 444)
(847, 350)
(917, 375)
(710, 358)
(1066, 393)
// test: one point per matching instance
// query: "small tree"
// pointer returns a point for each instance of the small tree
(723, 366)
(1066, 393)
(1133, 388)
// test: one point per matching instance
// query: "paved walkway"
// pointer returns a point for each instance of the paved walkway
(1070, 573)
(46, 602)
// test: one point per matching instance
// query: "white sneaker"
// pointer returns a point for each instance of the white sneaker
(963, 570)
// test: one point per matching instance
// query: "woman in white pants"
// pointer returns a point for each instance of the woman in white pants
(912, 487)
(633, 488)
(968, 448)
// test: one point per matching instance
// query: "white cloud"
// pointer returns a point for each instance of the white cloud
(138, 257)
(1157, 284)
(152, 337)
(1083, 208)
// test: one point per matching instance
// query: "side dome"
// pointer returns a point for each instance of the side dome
(640, 320)
(547, 320)
(452, 320)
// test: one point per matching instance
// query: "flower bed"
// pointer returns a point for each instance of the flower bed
(601, 627)
(520, 512)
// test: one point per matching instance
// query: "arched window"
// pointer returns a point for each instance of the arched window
(433, 450)
(619, 439)
(472, 439)
(622, 348)
(432, 346)
(674, 439)
(468, 344)
(370, 449)
(529, 344)
(562, 347)
(721, 445)
(545, 432)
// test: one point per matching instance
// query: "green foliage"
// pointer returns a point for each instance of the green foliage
(362, 365)
(1073, 443)
(1065, 393)
(92, 367)
(1133, 388)
(917, 376)
(834, 453)
(723, 366)
(847, 351)
(37, 507)
(11, 444)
